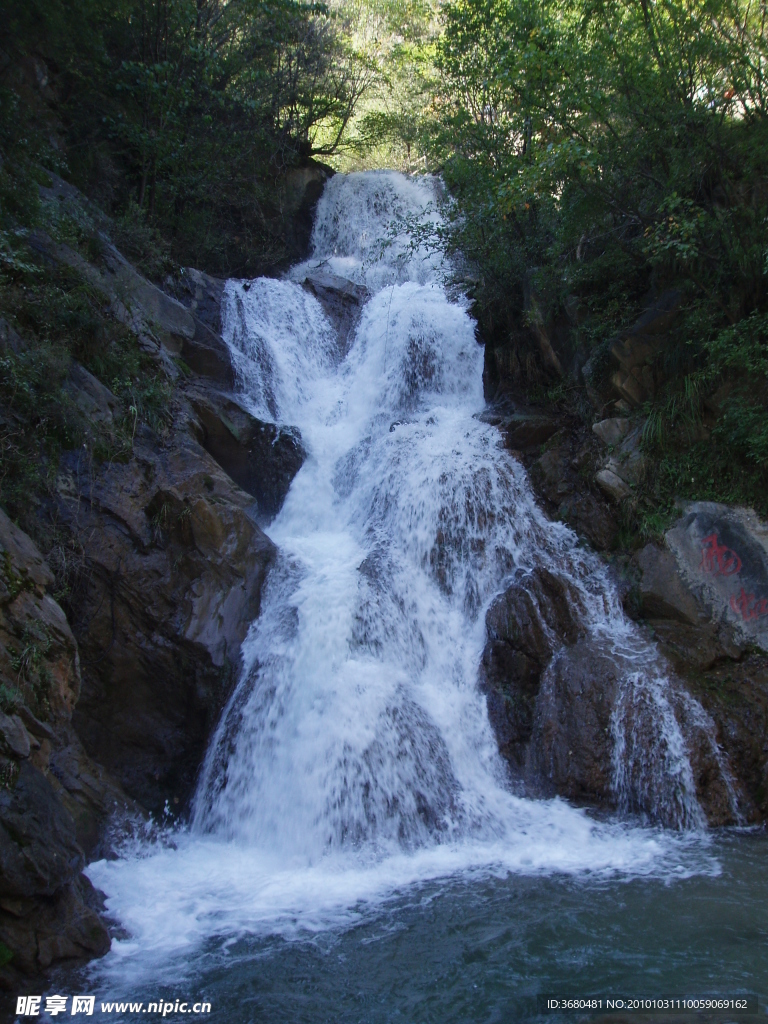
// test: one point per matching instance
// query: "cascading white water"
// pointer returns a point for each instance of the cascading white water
(358, 708)
(356, 755)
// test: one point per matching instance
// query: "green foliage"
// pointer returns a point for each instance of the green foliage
(598, 152)
(180, 116)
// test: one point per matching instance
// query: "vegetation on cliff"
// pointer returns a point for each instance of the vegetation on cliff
(179, 116)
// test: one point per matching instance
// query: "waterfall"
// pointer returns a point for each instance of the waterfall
(358, 709)
(355, 755)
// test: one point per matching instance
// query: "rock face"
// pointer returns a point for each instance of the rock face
(550, 690)
(166, 328)
(559, 701)
(205, 352)
(47, 816)
(695, 592)
(662, 591)
(260, 457)
(200, 293)
(303, 188)
(524, 625)
(173, 565)
(564, 477)
(561, 457)
(93, 399)
(571, 741)
(633, 351)
(153, 316)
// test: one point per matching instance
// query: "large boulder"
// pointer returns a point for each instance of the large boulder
(341, 299)
(721, 555)
(696, 593)
(571, 748)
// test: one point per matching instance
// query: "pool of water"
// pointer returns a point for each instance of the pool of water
(480, 947)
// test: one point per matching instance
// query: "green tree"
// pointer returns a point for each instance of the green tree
(606, 149)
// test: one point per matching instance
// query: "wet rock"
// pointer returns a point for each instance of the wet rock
(38, 848)
(587, 514)
(207, 354)
(341, 299)
(261, 457)
(45, 903)
(200, 293)
(551, 471)
(302, 189)
(722, 560)
(571, 742)
(524, 626)
(707, 648)
(687, 646)
(565, 705)
(563, 477)
(735, 694)
(204, 351)
(333, 289)
(604, 735)
(524, 432)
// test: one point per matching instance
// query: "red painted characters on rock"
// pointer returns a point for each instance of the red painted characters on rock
(717, 558)
(749, 607)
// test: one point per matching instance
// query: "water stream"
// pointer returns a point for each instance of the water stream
(353, 790)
